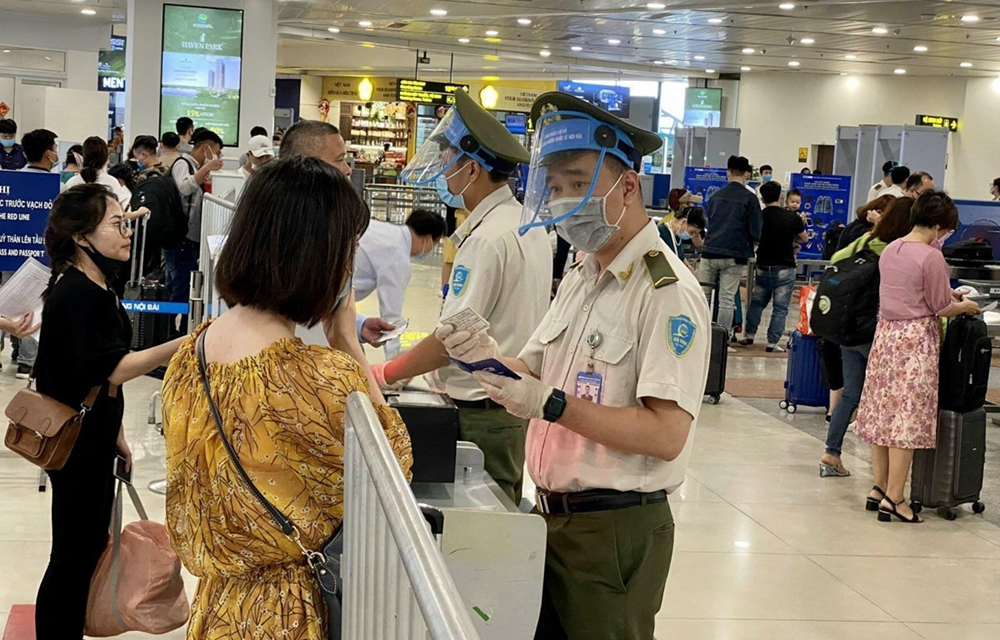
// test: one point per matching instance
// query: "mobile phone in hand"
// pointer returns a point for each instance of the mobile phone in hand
(120, 473)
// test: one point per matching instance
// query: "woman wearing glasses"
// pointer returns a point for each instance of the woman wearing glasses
(84, 344)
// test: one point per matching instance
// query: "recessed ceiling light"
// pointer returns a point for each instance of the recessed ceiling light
(6, 50)
(576, 48)
(657, 61)
(365, 24)
(745, 69)
(970, 18)
(786, 6)
(850, 56)
(807, 41)
(920, 48)
(749, 50)
(699, 57)
(966, 65)
(48, 58)
(464, 40)
(715, 20)
(439, 12)
(793, 63)
(899, 72)
(655, 6)
(333, 29)
(545, 53)
(91, 12)
(524, 21)
(660, 32)
(880, 31)
(614, 41)
(492, 32)
(709, 70)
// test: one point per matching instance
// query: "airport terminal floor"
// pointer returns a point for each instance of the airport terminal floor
(765, 548)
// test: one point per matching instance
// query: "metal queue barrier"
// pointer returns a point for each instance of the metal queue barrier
(216, 216)
(396, 583)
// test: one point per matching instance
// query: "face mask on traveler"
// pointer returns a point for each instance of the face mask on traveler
(108, 266)
(938, 243)
(588, 229)
(450, 199)
(8, 143)
(683, 235)
(766, 178)
(344, 292)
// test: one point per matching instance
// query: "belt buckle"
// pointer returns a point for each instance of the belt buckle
(542, 501)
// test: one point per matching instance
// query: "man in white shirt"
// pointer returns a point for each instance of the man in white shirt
(878, 189)
(382, 263)
(259, 153)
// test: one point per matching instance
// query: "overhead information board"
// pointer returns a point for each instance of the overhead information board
(938, 122)
(612, 99)
(202, 67)
(426, 92)
(702, 107)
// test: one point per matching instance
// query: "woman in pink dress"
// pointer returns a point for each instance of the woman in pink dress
(899, 404)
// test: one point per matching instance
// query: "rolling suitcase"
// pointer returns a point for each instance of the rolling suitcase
(718, 361)
(148, 329)
(804, 378)
(952, 474)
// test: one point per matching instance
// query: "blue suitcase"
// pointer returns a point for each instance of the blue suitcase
(804, 379)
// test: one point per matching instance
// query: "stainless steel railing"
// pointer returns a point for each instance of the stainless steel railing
(397, 586)
(216, 217)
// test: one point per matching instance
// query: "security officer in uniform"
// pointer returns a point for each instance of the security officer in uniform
(502, 275)
(612, 380)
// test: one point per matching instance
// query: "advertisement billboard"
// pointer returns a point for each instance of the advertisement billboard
(702, 107)
(612, 99)
(202, 68)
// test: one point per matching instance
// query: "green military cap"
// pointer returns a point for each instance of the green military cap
(644, 141)
(490, 133)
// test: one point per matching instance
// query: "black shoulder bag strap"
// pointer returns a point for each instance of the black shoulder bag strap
(325, 565)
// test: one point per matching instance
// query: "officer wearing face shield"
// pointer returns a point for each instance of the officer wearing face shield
(502, 275)
(612, 380)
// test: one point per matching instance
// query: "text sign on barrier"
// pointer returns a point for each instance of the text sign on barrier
(825, 199)
(152, 306)
(25, 201)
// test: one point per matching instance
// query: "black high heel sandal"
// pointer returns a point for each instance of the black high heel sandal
(885, 515)
(871, 504)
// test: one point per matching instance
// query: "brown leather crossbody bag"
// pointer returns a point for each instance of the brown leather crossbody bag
(42, 430)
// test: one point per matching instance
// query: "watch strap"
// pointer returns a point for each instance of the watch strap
(555, 406)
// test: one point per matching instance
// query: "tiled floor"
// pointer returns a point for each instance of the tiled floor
(765, 549)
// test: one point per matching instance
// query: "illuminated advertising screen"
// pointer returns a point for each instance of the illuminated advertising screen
(200, 78)
(703, 107)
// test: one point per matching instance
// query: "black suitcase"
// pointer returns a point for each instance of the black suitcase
(717, 364)
(148, 329)
(966, 356)
(952, 474)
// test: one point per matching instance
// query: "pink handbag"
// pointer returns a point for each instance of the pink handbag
(138, 584)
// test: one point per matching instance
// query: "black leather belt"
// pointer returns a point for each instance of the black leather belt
(594, 500)
(485, 403)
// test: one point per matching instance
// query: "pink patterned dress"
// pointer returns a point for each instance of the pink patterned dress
(899, 403)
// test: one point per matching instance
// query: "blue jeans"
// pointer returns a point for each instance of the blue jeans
(855, 364)
(775, 285)
(27, 352)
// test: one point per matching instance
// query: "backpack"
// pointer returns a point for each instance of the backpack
(965, 365)
(168, 224)
(830, 241)
(845, 310)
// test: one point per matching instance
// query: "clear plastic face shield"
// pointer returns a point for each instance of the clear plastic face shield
(566, 161)
(439, 154)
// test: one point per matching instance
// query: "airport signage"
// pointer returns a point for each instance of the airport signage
(25, 201)
(426, 92)
(612, 99)
(938, 122)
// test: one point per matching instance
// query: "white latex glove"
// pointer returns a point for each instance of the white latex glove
(524, 398)
(378, 374)
(465, 346)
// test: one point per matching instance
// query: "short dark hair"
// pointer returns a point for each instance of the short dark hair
(170, 140)
(996, 183)
(793, 192)
(122, 171)
(205, 136)
(146, 143)
(696, 217)
(914, 181)
(770, 192)
(258, 131)
(895, 220)
(184, 125)
(257, 270)
(8, 126)
(738, 164)
(888, 167)
(426, 223)
(36, 143)
(899, 174)
(766, 167)
(934, 209)
(306, 138)
(73, 152)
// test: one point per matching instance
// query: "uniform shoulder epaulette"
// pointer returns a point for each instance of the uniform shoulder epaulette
(660, 271)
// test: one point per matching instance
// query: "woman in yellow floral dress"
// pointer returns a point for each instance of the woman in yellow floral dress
(291, 244)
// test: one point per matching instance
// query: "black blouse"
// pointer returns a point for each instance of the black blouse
(85, 334)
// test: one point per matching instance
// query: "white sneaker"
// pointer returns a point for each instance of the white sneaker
(773, 348)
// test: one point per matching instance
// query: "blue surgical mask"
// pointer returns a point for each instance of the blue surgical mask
(8, 143)
(456, 201)
(683, 235)
(766, 178)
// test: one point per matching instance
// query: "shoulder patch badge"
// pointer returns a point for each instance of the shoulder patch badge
(459, 280)
(680, 335)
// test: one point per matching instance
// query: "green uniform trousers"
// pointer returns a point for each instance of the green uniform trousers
(605, 573)
(501, 437)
